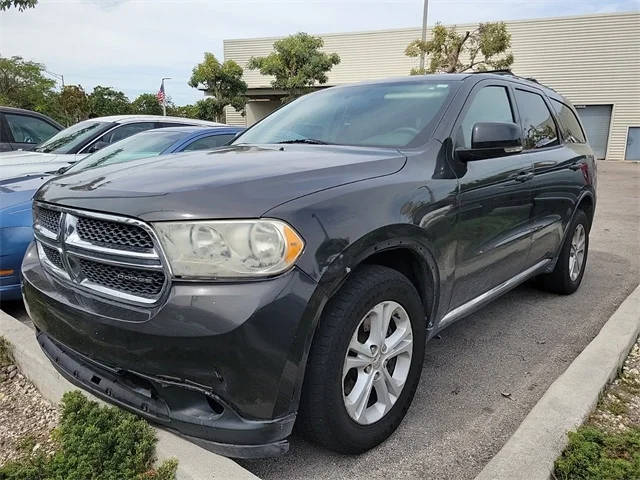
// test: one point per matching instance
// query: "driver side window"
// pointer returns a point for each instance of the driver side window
(491, 104)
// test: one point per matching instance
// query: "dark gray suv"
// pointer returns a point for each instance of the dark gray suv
(295, 276)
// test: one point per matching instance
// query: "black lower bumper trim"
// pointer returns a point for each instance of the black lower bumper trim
(225, 433)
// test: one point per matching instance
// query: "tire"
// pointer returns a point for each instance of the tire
(323, 415)
(563, 280)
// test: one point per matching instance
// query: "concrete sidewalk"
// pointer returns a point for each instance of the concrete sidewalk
(531, 451)
(195, 463)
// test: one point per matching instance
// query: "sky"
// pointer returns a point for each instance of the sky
(131, 44)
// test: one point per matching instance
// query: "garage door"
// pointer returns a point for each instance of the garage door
(596, 120)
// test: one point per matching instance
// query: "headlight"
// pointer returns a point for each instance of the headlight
(231, 248)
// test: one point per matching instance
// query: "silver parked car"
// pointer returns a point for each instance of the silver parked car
(76, 142)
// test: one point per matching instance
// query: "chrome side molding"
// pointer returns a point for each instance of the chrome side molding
(479, 301)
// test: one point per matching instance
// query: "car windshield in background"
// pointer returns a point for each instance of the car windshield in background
(147, 144)
(387, 115)
(69, 138)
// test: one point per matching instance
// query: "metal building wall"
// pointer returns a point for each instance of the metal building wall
(591, 59)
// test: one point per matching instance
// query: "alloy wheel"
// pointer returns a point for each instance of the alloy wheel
(576, 252)
(377, 362)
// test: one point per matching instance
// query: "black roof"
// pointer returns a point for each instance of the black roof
(21, 111)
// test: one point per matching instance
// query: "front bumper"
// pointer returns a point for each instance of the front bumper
(218, 363)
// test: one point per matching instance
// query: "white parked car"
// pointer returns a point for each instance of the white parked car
(76, 142)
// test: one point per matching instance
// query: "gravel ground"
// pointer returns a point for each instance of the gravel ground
(25, 417)
(619, 408)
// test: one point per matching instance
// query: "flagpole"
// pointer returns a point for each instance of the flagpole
(164, 97)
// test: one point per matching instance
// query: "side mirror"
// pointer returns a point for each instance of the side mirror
(491, 140)
(100, 144)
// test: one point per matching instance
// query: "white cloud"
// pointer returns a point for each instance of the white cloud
(131, 44)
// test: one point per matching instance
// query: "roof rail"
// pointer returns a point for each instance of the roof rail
(509, 72)
(502, 71)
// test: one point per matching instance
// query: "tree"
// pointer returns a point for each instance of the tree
(19, 4)
(23, 84)
(105, 101)
(146, 104)
(74, 103)
(449, 51)
(223, 81)
(185, 111)
(207, 109)
(296, 63)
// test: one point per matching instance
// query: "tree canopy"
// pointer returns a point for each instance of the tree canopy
(223, 81)
(104, 101)
(19, 4)
(297, 64)
(23, 84)
(74, 103)
(484, 48)
(146, 104)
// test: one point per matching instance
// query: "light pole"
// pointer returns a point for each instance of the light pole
(164, 97)
(424, 31)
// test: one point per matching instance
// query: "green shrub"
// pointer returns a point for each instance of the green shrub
(94, 443)
(5, 352)
(593, 454)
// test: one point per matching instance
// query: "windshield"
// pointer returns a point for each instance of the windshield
(69, 138)
(147, 144)
(386, 114)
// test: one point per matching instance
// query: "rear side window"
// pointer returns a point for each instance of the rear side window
(27, 129)
(127, 130)
(212, 141)
(569, 124)
(538, 126)
(491, 104)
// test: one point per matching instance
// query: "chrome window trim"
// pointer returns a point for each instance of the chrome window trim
(69, 245)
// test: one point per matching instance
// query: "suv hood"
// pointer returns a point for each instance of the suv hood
(234, 182)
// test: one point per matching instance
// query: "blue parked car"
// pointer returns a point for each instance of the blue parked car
(15, 194)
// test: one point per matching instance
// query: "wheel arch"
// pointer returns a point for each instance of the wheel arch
(586, 203)
(396, 247)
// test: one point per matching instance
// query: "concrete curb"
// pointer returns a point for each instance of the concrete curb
(531, 451)
(195, 463)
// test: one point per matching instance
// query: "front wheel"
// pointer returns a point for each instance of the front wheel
(365, 362)
(569, 270)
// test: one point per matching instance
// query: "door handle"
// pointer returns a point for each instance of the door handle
(576, 166)
(524, 177)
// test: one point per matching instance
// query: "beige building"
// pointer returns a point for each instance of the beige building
(594, 60)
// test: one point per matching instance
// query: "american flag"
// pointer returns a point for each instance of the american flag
(160, 94)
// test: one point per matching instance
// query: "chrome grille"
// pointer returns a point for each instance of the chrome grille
(49, 219)
(121, 235)
(53, 256)
(112, 256)
(146, 283)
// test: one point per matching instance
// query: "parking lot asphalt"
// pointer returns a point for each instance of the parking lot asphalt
(483, 374)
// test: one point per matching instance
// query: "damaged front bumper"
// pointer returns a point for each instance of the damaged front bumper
(220, 364)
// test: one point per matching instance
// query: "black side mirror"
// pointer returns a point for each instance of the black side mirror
(100, 144)
(491, 140)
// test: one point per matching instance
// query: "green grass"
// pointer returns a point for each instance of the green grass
(593, 454)
(93, 443)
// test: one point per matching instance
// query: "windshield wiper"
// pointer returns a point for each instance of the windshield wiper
(311, 141)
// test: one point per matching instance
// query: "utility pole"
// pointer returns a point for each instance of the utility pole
(424, 31)
(164, 97)
(58, 76)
